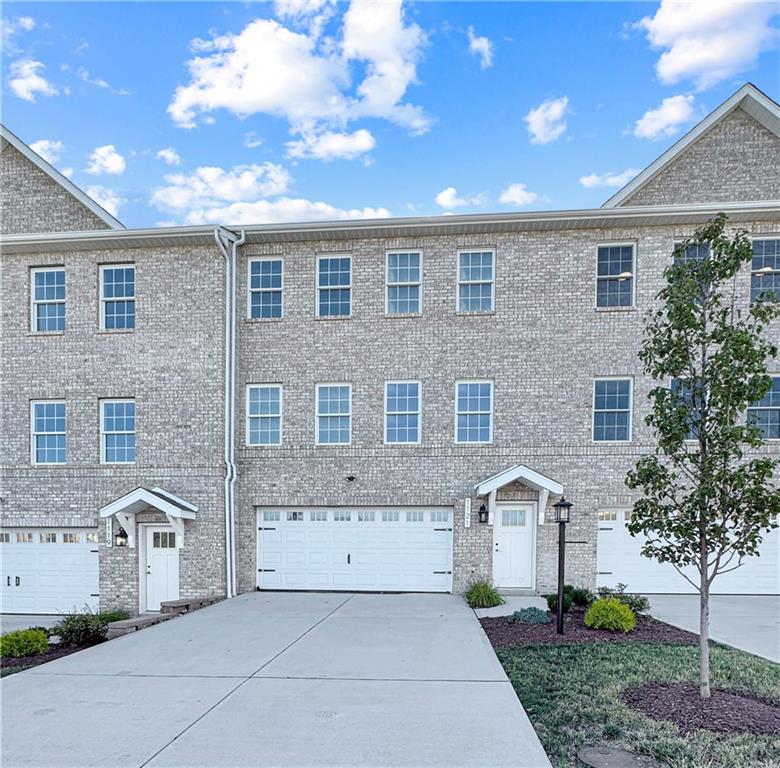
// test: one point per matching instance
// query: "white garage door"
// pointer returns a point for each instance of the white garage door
(396, 549)
(620, 561)
(48, 570)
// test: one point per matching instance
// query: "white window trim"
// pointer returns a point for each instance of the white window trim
(34, 434)
(492, 411)
(250, 290)
(772, 375)
(281, 415)
(459, 282)
(418, 412)
(317, 288)
(632, 305)
(317, 411)
(388, 284)
(630, 411)
(103, 433)
(34, 303)
(104, 301)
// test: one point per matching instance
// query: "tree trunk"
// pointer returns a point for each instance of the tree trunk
(704, 635)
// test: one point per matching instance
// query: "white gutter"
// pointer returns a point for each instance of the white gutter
(223, 236)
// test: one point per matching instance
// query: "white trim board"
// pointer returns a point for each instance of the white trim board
(10, 138)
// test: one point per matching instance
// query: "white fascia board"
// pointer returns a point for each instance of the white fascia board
(63, 181)
(533, 480)
(756, 103)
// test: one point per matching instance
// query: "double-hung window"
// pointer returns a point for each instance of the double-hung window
(49, 440)
(615, 276)
(117, 297)
(402, 412)
(264, 414)
(266, 279)
(765, 271)
(404, 277)
(612, 410)
(334, 286)
(474, 412)
(117, 431)
(688, 397)
(48, 300)
(334, 414)
(765, 413)
(476, 280)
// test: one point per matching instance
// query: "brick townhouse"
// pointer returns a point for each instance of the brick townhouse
(386, 405)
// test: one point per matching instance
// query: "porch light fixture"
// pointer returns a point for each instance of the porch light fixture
(483, 514)
(562, 516)
(120, 540)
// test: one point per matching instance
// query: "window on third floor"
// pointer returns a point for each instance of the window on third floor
(615, 276)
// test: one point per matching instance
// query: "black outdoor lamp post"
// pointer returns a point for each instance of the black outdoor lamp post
(562, 514)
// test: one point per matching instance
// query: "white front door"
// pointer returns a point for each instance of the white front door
(513, 546)
(162, 566)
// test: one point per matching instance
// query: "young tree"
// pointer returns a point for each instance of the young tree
(708, 496)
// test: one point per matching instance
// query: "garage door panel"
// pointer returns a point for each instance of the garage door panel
(355, 549)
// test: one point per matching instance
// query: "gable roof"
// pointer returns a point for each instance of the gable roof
(748, 98)
(8, 137)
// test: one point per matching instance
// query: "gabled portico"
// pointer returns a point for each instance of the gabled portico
(536, 481)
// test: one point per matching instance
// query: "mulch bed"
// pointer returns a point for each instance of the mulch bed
(724, 712)
(502, 632)
(54, 652)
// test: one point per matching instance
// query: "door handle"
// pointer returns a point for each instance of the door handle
(18, 581)
(349, 559)
(8, 583)
(496, 546)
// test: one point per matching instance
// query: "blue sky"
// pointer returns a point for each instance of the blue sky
(277, 111)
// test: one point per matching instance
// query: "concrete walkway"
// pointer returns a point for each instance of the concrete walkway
(748, 622)
(275, 679)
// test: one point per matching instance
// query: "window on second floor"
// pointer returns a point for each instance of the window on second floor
(117, 297)
(615, 276)
(404, 277)
(49, 440)
(765, 413)
(402, 412)
(476, 280)
(474, 412)
(334, 286)
(117, 431)
(612, 410)
(334, 414)
(266, 278)
(48, 300)
(765, 270)
(264, 414)
(684, 392)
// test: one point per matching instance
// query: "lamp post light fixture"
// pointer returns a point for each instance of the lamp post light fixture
(483, 514)
(120, 540)
(562, 516)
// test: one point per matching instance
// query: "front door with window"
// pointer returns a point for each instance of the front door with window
(513, 546)
(162, 566)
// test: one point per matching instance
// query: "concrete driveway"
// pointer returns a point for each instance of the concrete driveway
(748, 622)
(12, 621)
(278, 679)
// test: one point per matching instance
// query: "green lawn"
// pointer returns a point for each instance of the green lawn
(572, 695)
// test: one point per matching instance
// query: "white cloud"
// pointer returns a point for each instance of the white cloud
(307, 80)
(10, 28)
(332, 145)
(106, 160)
(252, 140)
(667, 119)
(608, 179)
(313, 15)
(27, 23)
(49, 149)
(83, 74)
(448, 198)
(107, 198)
(517, 194)
(169, 155)
(26, 81)
(546, 122)
(67, 172)
(211, 187)
(710, 40)
(482, 47)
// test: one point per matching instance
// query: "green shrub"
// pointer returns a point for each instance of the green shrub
(582, 597)
(45, 630)
(531, 615)
(482, 594)
(610, 614)
(24, 642)
(552, 601)
(639, 604)
(86, 628)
